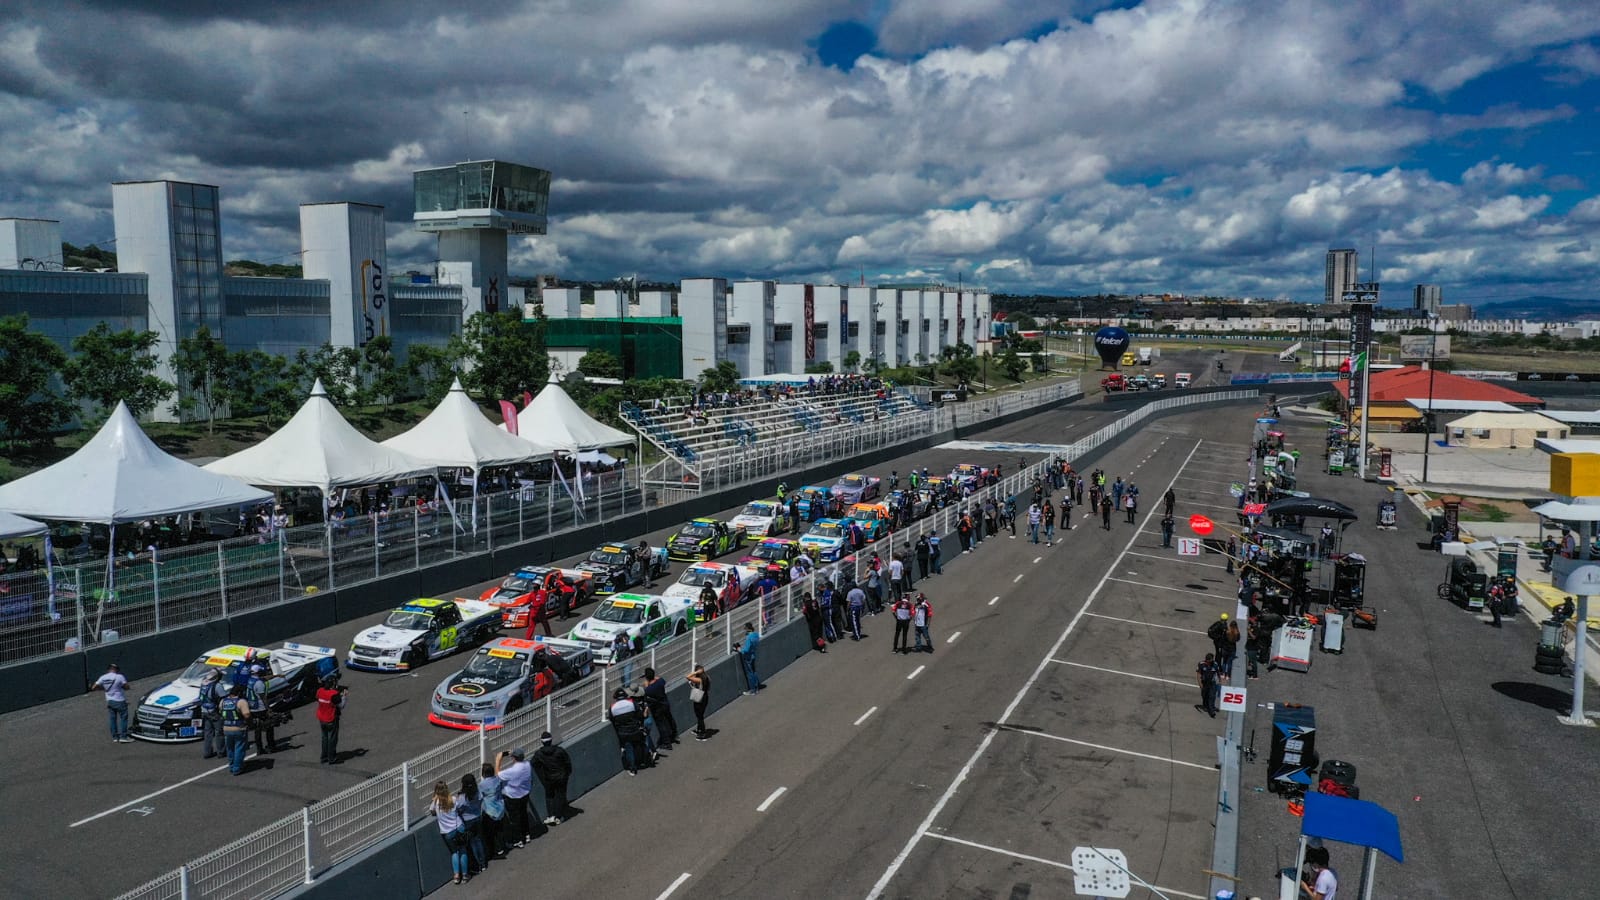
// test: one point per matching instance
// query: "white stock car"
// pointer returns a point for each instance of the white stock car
(421, 630)
(715, 574)
(505, 675)
(170, 712)
(653, 618)
(761, 518)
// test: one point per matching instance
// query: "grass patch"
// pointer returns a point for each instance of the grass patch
(1528, 361)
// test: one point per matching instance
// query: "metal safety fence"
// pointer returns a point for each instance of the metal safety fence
(43, 613)
(298, 849)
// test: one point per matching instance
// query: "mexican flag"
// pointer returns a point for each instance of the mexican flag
(1353, 364)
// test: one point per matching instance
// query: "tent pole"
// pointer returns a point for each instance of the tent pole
(1369, 873)
(327, 533)
(110, 580)
(1299, 863)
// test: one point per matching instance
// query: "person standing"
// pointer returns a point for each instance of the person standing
(553, 765)
(700, 697)
(628, 724)
(813, 616)
(1047, 514)
(1066, 511)
(1034, 517)
(923, 551)
(235, 725)
(921, 619)
(1117, 487)
(897, 578)
(516, 777)
(1166, 530)
(1324, 883)
(1206, 676)
(905, 569)
(330, 708)
(1233, 551)
(491, 788)
(934, 554)
(260, 717)
(115, 687)
(1105, 511)
(469, 806)
(747, 657)
(902, 625)
(1130, 505)
(655, 696)
(1170, 499)
(211, 715)
(1218, 633)
(857, 600)
(541, 614)
(964, 531)
(451, 831)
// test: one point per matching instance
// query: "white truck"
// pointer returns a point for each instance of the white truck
(1148, 355)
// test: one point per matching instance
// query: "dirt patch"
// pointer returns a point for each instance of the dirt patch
(1485, 509)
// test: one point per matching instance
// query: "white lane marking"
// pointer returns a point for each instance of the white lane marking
(1011, 853)
(1146, 624)
(1036, 559)
(1163, 587)
(1065, 662)
(952, 638)
(915, 672)
(170, 787)
(678, 883)
(1017, 579)
(1188, 560)
(866, 715)
(1067, 740)
(771, 799)
(983, 745)
(994, 600)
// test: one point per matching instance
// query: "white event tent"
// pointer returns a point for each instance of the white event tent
(318, 448)
(16, 526)
(457, 436)
(552, 420)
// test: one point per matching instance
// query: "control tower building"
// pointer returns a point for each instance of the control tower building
(473, 206)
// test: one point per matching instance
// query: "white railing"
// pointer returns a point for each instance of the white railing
(298, 849)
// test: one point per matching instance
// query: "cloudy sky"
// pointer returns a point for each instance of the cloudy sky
(1197, 146)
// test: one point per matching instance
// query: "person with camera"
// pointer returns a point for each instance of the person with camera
(330, 707)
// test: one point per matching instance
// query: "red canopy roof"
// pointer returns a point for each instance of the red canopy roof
(1398, 385)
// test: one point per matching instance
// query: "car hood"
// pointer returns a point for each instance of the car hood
(590, 629)
(686, 541)
(384, 636)
(685, 591)
(172, 695)
(752, 521)
(504, 597)
(817, 540)
(601, 568)
(461, 686)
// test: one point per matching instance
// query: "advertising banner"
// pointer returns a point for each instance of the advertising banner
(811, 323)
(1424, 346)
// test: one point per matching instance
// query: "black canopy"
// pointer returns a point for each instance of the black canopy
(1286, 535)
(1311, 508)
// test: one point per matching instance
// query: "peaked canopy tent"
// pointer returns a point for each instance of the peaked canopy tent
(554, 421)
(16, 526)
(456, 435)
(1361, 823)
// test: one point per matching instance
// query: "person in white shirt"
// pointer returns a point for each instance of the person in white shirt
(1324, 884)
(517, 777)
(897, 577)
(116, 688)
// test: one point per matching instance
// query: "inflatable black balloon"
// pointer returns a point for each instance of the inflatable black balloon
(1111, 342)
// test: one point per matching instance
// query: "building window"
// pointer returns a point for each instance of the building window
(854, 329)
(819, 330)
(1543, 434)
(783, 331)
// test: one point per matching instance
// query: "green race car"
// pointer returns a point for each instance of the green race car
(702, 539)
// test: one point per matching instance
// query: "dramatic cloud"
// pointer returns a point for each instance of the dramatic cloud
(1201, 146)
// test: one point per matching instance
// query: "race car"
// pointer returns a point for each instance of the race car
(814, 503)
(704, 539)
(773, 555)
(517, 594)
(828, 540)
(720, 576)
(421, 630)
(967, 473)
(942, 489)
(505, 675)
(921, 502)
(874, 519)
(171, 712)
(616, 567)
(646, 619)
(856, 488)
(762, 518)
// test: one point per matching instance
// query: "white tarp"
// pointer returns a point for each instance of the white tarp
(120, 475)
(318, 448)
(456, 435)
(16, 526)
(553, 421)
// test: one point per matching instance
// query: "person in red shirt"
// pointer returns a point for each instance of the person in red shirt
(330, 707)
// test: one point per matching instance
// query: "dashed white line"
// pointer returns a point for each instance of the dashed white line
(994, 600)
(678, 883)
(1163, 587)
(866, 715)
(915, 672)
(1067, 740)
(170, 787)
(1146, 624)
(1036, 560)
(952, 638)
(1011, 853)
(771, 799)
(1017, 579)
(1079, 665)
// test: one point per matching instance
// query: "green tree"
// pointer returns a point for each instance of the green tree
(338, 368)
(600, 364)
(29, 404)
(108, 366)
(820, 368)
(1023, 322)
(204, 370)
(384, 379)
(852, 360)
(501, 355)
(724, 376)
(430, 370)
(1012, 364)
(274, 385)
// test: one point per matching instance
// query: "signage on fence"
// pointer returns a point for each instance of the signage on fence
(1188, 546)
(1232, 699)
(951, 395)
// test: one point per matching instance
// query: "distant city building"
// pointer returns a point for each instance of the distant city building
(1343, 272)
(1427, 298)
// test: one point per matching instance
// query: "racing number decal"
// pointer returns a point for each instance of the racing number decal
(447, 638)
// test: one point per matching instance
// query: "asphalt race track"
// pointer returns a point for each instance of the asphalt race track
(865, 743)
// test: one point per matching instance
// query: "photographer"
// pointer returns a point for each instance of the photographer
(330, 708)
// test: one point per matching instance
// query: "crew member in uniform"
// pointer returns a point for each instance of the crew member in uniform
(260, 719)
(235, 722)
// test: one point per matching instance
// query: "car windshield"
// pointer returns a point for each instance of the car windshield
(758, 509)
(198, 669)
(632, 614)
(406, 620)
(770, 551)
(852, 480)
(701, 577)
(695, 530)
(826, 529)
(518, 584)
(809, 494)
(609, 557)
(499, 668)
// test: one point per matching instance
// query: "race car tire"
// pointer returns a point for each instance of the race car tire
(1545, 651)
(1548, 669)
(683, 628)
(514, 705)
(415, 657)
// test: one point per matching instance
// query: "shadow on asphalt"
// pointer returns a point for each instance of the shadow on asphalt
(1541, 695)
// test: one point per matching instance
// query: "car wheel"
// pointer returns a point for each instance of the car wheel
(683, 627)
(415, 657)
(514, 705)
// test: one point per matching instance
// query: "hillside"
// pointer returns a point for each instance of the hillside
(1539, 308)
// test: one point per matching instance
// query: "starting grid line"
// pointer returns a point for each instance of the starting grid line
(1166, 891)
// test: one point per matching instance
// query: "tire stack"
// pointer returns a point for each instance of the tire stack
(1341, 773)
(1548, 659)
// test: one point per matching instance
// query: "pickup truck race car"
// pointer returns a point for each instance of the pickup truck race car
(921, 502)
(517, 595)
(814, 503)
(828, 540)
(616, 567)
(967, 473)
(505, 675)
(773, 555)
(874, 518)
(646, 619)
(762, 518)
(420, 630)
(856, 488)
(704, 539)
(942, 488)
(170, 713)
(1115, 383)
(720, 576)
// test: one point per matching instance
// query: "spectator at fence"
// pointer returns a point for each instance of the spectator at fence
(813, 616)
(469, 806)
(493, 822)
(857, 599)
(517, 777)
(115, 687)
(451, 829)
(933, 554)
(628, 724)
(655, 696)
(553, 765)
(747, 658)
(700, 697)
(924, 553)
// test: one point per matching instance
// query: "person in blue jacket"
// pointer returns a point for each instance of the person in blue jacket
(747, 657)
